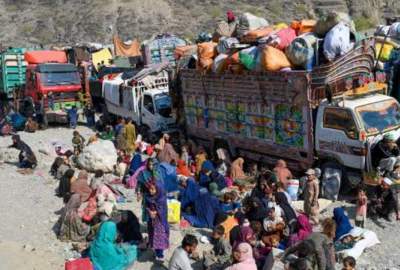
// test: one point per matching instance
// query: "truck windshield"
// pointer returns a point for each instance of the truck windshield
(380, 116)
(163, 104)
(60, 78)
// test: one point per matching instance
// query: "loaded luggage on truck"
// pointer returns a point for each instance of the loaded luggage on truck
(12, 71)
(330, 116)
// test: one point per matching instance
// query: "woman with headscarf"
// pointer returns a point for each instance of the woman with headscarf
(81, 187)
(105, 253)
(304, 229)
(288, 213)
(182, 169)
(129, 228)
(72, 227)
(255, 210)
(282, 173)
(246, 235)
(343, 225)
(200, 158)
(188, 193)
(209, 175)
(64, 186)
(146, 175)
(168, 154)
(236, 171)
(243, 256)
(27, 159)
(157, 225)
(136, 162)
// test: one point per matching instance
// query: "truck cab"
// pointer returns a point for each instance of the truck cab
(49, 76)
(348, 127)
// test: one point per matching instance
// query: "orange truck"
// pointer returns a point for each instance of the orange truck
(52, 86)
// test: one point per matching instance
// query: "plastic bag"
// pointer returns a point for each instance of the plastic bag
(249, 22)
(337, 42)
(174, 211)
(219, 64)
(293, 189)
(248, 57)
(274, 59)
(286, 36)
(383, 52)
(301, 51)
(252, 36)
(226, 44)
(303, 26)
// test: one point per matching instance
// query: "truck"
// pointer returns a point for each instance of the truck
(12, 71)
(145, 99)
(48, 73)
(328, 117)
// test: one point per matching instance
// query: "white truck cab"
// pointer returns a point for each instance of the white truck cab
(348, 127)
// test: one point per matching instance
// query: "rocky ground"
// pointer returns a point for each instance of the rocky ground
(29, 210)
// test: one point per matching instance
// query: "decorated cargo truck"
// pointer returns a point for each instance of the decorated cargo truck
(330, 116)
(12, 71)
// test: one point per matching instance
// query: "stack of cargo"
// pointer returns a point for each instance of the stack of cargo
(252, 44)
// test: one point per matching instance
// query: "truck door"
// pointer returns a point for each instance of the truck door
(337, 137)
(148, 115)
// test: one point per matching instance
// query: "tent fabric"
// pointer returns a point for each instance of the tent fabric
(123, 49)
(103, 55)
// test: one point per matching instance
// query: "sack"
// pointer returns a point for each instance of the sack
(248, 57)
(274, 59)
(293, 189)
(301, 51)
(328, 21)
(206, 51)
(303, 26)
(79, 264)
(219, 64)
(225, 44)
(285, 37)
(383, 52)
(337, 42)
(249, 22)
(182, 51)
(252, 36)
(224, 29)
(174, 211)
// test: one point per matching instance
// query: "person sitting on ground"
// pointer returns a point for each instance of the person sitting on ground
(107, 134)
(185, 156)
(385, 202)
(93, 139)
(136, 162)
(229, 205)
(72, 226)
(168, 154)
(209, 175)
(304, 259)
(105, 253)
(129, 228)
(219, 256)
(385, 153)
(243, 258)
(81, 186)
(31, 126)
(63, 168)
(273, 223)
(58, 161)
(64, 186)
(180, 259)
(346, 242)
(349, 263)
(26, 157)
(78, 142)
(343, 225)
(304, 229)
(255, 210)
(282, 173)
(237, 173)
(90, 115)
(200, 158)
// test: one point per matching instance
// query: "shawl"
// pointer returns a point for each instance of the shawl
(158, 202)
(182, 169)
(81, 187)
(282, 172)
(135, 164)
(246, 261)
(246, 233)
(343, 225)
(106, 254)
(168, 154)
(237, 169)
(304, 230)
(129, 227)
(189, 194)
(288, 213)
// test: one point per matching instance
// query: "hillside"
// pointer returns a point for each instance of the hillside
(33, 22)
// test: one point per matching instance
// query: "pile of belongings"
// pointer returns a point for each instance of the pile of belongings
(251, 43)
(387, 38)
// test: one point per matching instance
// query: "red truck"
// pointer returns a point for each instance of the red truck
(52, 86)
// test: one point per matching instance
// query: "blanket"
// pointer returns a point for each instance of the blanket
(370, 239)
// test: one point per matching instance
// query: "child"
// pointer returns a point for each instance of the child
(219, 256)
(72, 117)
(361, 213)
(78, 142)
(50, 100)
(349, 263)
(273, 223)
(346, 242)
(229, 206)
(395, 176)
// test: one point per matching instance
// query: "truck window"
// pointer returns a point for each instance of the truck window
(340, 119)
(148, 103)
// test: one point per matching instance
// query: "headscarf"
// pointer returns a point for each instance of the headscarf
(282, 172)
(288, 213)
(206, 208)
(237, 169)
(135, 164)
(104, 252)
(246, 260)
(304, 230)
(246, 233)
(207, 166)
(81, 187)
(343, 225)
(257, 212)
(24, 148)
(230, 16)
(72, 228)
(190, 193)
(182, 169)
(158, 202)
(168, 154)
(129, 227)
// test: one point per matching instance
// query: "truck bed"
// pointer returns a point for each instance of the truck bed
(267, 115)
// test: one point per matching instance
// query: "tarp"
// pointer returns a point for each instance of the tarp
(123, 49)
(40, 57)
(103, 55)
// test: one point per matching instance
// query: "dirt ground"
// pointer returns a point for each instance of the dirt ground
(29, 210)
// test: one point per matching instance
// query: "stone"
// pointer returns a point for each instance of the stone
(100, 155)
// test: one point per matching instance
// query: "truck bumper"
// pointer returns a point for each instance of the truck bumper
(57, 117)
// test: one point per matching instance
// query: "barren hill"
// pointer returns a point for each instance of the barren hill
(32, 22)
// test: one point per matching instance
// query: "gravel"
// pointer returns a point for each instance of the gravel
(30, 208)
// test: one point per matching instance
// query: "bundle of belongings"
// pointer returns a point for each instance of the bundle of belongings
(251, 43)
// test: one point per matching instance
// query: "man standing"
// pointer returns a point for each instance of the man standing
(130, 135)
(311, 193)
(180, 259)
